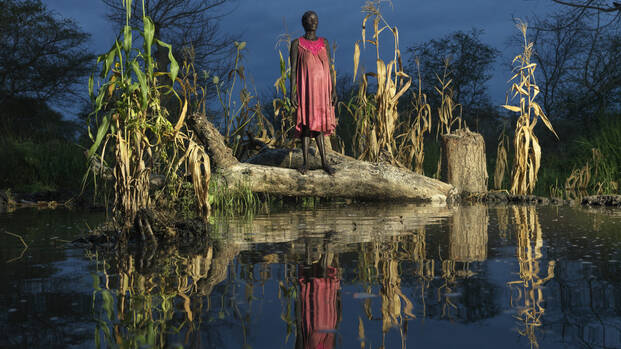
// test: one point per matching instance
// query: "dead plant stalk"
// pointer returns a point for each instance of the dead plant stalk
(526, 144)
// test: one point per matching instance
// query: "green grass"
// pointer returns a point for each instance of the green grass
(36, 166)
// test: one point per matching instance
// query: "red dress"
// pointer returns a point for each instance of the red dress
(314, 88)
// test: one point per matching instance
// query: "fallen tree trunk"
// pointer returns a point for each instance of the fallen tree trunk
(273, 171)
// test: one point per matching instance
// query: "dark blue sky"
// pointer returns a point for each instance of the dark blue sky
(260, 22)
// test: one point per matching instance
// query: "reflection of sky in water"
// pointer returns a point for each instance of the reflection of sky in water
(449, 267)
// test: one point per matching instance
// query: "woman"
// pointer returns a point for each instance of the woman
(312, 93)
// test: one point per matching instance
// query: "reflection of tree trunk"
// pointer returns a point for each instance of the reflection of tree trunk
(468, 240)
(463, 161)
(340, 227)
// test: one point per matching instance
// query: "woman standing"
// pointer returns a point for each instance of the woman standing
(312, 93)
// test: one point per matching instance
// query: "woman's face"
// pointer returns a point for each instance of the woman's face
(310, 22)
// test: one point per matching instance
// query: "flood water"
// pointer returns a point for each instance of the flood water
(332, 277)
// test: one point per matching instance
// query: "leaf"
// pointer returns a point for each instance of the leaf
(91, 84)
(184, 111)
(142, 81)
(356, 58)
(539, 112)
(360, 329)
(376, 28)
(174, 66)
(519, 89)
(512, 108)
(381, 76)
(364, 27)
(148, 34)
(108, 60)
(282, 63)
(101, 132)
(127, 39)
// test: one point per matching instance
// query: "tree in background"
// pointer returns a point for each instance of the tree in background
(597, 5)
(42, 56)
(578, 51)
(470, 65)
(185, 24)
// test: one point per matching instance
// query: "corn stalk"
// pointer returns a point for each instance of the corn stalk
(130, 118)
(501, 160)
(377, 120)
(421, 124)
(527, 149)
(448, 107)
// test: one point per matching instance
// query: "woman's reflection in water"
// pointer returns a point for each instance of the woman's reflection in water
(319, 304)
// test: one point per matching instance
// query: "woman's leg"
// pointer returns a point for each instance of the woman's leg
(305, 142)
(319, 139)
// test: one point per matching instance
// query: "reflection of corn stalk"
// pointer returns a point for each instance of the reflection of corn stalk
(377, 120)
(529, 287)
(526, 145)
(424, 267)
(145, 300)
(449, 278)
(387, 264)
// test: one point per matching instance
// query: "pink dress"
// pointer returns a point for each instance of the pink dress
(314, 87)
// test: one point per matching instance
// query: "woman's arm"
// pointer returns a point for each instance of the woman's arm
(293, 78)
(332, 73)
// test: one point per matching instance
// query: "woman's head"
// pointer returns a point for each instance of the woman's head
(310, 21)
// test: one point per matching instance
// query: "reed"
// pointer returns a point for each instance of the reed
(527, 149)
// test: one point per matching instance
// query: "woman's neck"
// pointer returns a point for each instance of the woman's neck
(312, 36)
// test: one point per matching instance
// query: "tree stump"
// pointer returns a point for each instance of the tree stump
(463, 161)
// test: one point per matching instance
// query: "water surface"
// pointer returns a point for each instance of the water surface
(333, 277)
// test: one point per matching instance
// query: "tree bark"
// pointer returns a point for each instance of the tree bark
(273, 171)
(463, 161)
